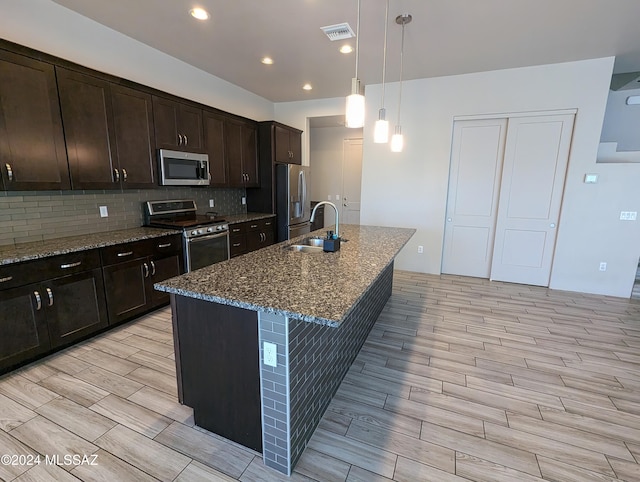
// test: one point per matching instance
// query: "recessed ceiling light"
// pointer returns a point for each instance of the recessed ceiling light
(267, 60)
(346, 49)
(199, 13)
(307, 87)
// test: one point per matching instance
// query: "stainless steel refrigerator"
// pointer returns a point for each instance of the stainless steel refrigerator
(293, 207)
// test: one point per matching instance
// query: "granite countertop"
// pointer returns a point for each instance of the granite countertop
(16, 253)
(314, 287)
(242, 218)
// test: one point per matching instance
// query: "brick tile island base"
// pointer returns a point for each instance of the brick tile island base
(318, 322)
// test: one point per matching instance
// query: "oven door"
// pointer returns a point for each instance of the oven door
(206, 250)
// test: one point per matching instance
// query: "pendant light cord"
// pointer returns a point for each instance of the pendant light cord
(401, 68)
(357, 39)
(384, 51)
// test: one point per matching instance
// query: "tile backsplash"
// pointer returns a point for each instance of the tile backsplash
(39, 215)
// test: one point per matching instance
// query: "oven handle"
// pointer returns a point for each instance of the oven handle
(205, 238)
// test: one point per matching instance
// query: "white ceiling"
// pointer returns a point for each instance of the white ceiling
(446, 37)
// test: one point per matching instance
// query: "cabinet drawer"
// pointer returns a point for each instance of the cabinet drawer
(237, 245)
(127, 251)
(167, 245)
(20, 274)
(253, 225)
(237, 228)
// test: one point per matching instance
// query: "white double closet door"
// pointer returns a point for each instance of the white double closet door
(505, 191)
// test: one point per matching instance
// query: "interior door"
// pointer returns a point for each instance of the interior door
(474, 184)
(535, 163)
(351, 181)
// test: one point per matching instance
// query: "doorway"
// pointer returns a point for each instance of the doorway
(505, 190)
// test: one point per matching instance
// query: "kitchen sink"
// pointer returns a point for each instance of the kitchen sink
(313, 241)
(304, 248)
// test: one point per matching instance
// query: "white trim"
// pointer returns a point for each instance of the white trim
(499, 115)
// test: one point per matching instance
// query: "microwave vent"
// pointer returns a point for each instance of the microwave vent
(338, 31)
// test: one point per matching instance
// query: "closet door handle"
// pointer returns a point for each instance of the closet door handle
(9, 171)
(50, 295)
(38, 300)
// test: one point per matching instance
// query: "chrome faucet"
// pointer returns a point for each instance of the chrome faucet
(313, 214)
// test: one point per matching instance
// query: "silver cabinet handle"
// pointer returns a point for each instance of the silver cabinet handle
(50, 295)
(122, 255)
(117, 175)
(70, 265)
(166, 245)
(9, 171)
(268, 223)
(153, 268)
(5, 279)
(146, 270)
(186, 139)
(179, 139)
(38, 300)
(235, 245)
(124, 174)
(253, 226)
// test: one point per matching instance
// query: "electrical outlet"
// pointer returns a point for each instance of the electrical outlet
(420, 249)
(328, 197)
(212, 203)
(337, 197)
(244, 200)
(270, 354)
(603, 266)
(104, 212)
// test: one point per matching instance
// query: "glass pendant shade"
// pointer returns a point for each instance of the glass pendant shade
(354, 117)
(381, 129)
(397, 140)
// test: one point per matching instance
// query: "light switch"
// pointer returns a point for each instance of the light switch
(104, 212)
(590, 178)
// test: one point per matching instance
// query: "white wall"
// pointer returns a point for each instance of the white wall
(46, 26)
(621, 121)
(410, 189)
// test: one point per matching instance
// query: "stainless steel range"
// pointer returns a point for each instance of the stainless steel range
(205, 237)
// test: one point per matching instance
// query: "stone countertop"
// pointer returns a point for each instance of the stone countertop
(314, 287)
(242, 218)
(16, 253)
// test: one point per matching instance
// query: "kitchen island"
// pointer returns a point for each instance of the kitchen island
(314, 309)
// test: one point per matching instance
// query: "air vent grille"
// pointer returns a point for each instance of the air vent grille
(339, 31)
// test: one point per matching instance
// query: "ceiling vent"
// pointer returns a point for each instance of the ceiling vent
(339, 31)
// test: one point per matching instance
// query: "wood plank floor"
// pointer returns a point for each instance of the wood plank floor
(460, 379)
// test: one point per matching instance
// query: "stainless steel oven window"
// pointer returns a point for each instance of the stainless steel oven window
(206, 250)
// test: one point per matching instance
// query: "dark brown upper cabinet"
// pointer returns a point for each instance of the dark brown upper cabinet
(214, 146)
(134, 135)
(178, 126)
(287, 144)
(242, 153)
(109, 133)
(32, 149)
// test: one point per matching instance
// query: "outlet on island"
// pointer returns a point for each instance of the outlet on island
(270, 354)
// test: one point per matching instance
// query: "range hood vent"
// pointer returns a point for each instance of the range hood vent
(339, 31)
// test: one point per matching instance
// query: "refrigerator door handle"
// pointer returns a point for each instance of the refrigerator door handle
(304, 195)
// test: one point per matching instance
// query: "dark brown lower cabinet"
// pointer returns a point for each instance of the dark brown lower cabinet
(23, 327)
(251, 235)
(218, 358)
(126, 289)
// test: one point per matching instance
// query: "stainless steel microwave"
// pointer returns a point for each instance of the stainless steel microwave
(183, 168)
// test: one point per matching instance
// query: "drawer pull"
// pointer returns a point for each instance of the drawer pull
(235, 245)
(267, 223)
(166, 245)
(8, 278)
(122, 255)
(235, 230)
(153, 268)
(38, 300)
(146, 270)
(50, 295)
(254, 226)
(70, 265)
(9, 171)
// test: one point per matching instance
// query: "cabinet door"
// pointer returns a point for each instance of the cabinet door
(75, 306)
(190, 126)
(88, 119)
(165, 121)
(23, 325)
(281, 140)
(126, 289)
(250, 155)
(214, 146)
(32, 150)
(233, 133)
(134, 136)
(295, 144)
(162, 269)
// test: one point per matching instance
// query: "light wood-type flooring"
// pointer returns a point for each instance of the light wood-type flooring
(460, 379)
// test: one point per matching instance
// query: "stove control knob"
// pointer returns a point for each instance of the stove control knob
(194, 232)
(200, 231)
(210, 230)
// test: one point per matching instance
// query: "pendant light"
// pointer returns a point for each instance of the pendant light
(381, 129)
(355, 102)
(397, 140)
